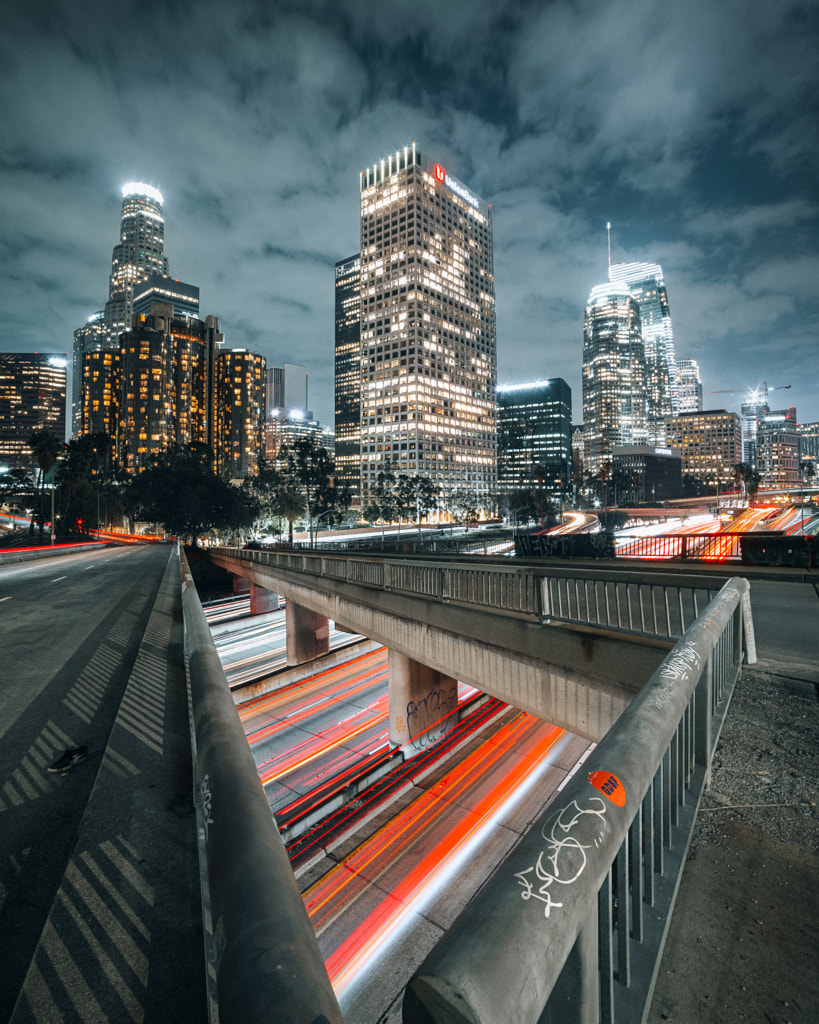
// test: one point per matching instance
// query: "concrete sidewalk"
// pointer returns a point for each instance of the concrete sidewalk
(742, 944)
(123, 939)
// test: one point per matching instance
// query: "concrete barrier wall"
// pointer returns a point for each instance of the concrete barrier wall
(266, 960)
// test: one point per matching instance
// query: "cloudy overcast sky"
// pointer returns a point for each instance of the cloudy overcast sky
(691, 126)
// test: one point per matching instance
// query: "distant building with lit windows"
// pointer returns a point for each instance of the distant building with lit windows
(139, 253)
(688, 386)
(653, 474)
(348, 375)
(32, 397)
(777, 448)
(101, 386)
(648, 288)
(167, 384)
(535, 435)
(239, 412)
(91, 337)
(428, 349)
(184, 298)
(809, 442)
(614, 374)
(710, 443)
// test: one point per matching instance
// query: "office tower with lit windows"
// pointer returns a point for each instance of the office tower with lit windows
(239, 412)
(167, 384)
(710, 444)
(101, 386)
(777, 448)
(139, 253)
(348, 375)
(286, 390)
(809, 443)
(428, 351)
(614, 374)
(534, 436)
(688, 386)
(32, 397)
(157, 288)
(91, 337)
(648, 288)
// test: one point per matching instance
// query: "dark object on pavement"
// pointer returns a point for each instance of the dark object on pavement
(72, 756)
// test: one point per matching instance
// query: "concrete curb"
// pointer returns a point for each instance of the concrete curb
(123, 939)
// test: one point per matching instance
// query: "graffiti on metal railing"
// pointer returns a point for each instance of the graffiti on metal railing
(428, 719)
(581, 545)
(564, 860)
(207, 804)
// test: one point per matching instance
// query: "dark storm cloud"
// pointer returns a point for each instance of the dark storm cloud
(690, 126)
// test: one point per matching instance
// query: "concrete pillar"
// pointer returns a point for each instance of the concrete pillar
(241, 585)
(262, 600)
(423, 703)
(308, 634)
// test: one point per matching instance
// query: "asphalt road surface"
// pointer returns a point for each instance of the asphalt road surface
(70, 629)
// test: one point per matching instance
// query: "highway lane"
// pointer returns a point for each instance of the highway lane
(306, 733)
(70, 629)
(251, 650)
(379, 903)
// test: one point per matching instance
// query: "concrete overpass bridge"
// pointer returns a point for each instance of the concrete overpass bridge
(571, 650)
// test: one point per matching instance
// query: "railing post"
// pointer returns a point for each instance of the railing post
(575, 998)
(703, 718)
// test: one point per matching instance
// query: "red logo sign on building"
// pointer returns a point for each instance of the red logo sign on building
(440, 173)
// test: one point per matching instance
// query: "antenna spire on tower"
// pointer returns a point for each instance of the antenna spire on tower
(608, 232)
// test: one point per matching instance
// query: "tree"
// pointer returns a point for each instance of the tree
(46, 446)
(309, 466)
(749, 478)
(181, 491)
(382, 502)
(417, 496)
(15, 483)
(463, 504)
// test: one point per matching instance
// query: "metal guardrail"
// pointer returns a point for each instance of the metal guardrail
(572, 925)
(263, 955)
(621, 601)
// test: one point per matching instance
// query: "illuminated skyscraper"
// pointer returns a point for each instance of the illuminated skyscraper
(32, 397)
(428, 355)
(139, 253)
(614, 374)
(648, 287)
(688, 386)
(534, 435)
(348, 375)
(238, 412)
(91, 337)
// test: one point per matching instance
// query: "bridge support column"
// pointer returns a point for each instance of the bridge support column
(262, 600)
(241, 585)
(423, 703)
(308, 634)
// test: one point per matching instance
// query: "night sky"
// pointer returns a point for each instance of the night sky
(691, 126)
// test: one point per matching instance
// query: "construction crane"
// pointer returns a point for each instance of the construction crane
(763, 391)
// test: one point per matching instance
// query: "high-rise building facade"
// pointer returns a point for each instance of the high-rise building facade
(101, 393)
(32, 397)
(167, 384)
(348, 375)
(648, 288)
(239, 412)
(428, 349)
(688, 387)
(157, 288)
(139, 253)
(91, 337)
(535, 435)
(710, 443)
(777, 448)
(614, 374)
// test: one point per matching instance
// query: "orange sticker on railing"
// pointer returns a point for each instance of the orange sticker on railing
(610, 786)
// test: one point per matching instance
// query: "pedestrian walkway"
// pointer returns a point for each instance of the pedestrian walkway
(123, 940)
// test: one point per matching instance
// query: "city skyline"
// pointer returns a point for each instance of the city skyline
(564, 116)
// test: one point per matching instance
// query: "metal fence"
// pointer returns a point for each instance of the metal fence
(571, 926)
(659, 606)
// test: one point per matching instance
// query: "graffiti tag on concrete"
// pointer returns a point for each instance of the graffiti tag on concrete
(430, 718)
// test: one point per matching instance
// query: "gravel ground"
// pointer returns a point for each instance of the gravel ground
(743, 940)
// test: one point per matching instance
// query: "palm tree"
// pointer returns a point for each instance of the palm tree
(45, 446)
